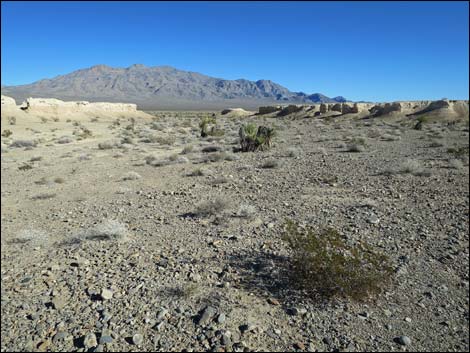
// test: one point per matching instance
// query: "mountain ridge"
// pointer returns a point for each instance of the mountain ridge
(161, 86)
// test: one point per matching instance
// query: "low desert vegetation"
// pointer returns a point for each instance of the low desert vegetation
(24, 143)
(246, 211)
(131, 176)
(326, 265)
(7, 133)
(270, 163)
(212, 207)
(107, 230)
(44, 196)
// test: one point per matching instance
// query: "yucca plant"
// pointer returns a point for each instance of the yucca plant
(254, 138)
(204, 125)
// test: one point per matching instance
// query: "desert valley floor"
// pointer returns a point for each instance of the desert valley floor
(180, 279)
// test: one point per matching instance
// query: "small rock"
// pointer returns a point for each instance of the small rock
(221, 318)
(404, 340)
(90, 341)
(137, 339)
(106, 294)
(59, 302)
(373, 219)
(106, 339)
(206, 315)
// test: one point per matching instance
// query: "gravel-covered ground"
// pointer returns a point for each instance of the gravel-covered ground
(107, 248)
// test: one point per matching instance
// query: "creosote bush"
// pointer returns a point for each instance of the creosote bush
(326, 265)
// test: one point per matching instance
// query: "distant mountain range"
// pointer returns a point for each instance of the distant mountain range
(162, 87)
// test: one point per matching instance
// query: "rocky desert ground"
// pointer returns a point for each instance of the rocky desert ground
(128, 231)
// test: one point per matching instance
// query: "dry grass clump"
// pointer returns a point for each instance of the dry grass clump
(212, 207)
(270, 164)
(7, 133)
(198, 172)
(24, 143)
(108, 230)
(35, 159)
(246, 211)
(65, 139)
(456, 164)
(31, 236)
(355, 148)
(131, 176)
(326, 265)
(436, 144)
(219, 180)
(107, 145)
(459, 151)
(210, 149)
(292, 152)
(390, 137)
(409, 166)
(215, 157)
(44, 196)
(59, 180)
(187, 149)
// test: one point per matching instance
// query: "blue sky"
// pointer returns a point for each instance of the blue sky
(378, 51)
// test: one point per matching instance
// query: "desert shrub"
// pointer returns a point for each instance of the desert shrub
(325, 264)
(389, 137)
(85, 132)
(219, 180)
(106, 145)
(108, 230)
(32, 236)
(411, 167)
(173, 157)
(25, 166)
(187, 149)
(354, 147)
(254, 138)
(35, 158)
(7, 133)
(210, 149)
(55, 119)
(65, 139)
(270, 164)
(458, 151)
(166, 140)
(59, 180)
(43, 120)
(212, 207)
(435, 144)
(246, 211)
(292, 152)
(197, 172)
(12, 120)
(44, 196)
(231, 157)
(456, 164)
(94, 120)
(24, 143)
(131, 176)
(214, 157)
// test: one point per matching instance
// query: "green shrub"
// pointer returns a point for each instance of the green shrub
(325, 264)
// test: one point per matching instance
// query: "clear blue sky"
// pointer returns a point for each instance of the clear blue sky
(378, 51)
